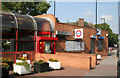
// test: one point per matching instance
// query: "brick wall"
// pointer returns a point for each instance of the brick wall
(87, 32)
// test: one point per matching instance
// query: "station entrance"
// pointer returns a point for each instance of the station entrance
(46, 44)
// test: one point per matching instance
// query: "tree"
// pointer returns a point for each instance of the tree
(113, 38)
(31, 8)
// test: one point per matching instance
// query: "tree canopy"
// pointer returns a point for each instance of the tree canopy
(113, 38)
(31, 8)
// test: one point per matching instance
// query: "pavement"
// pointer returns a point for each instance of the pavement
(107, 67)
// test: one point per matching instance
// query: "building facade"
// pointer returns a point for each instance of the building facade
(93, 41)
(25, 34)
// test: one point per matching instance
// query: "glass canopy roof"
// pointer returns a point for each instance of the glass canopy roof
(27, 22)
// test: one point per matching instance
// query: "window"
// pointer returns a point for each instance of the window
(74, 46)
(25, 45)
(8, 32)
(25, 34)
(26, 40)
(100, 44)
(8, 45)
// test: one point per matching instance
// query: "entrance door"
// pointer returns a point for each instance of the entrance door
(92, 46)
(48, 47)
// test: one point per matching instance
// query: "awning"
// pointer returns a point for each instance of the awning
(38, 38)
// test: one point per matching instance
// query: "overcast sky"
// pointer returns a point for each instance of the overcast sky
(72, 10)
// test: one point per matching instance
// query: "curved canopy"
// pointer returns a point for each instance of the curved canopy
(8, 19)
(25, 22)
(43, 24)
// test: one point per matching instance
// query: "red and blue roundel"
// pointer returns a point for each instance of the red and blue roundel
(79, 33)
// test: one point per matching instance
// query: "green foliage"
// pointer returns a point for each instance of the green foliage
(31, 8)
(5, 65)
(25, 64)
(85, 24)
(113, 38)
(53, 60)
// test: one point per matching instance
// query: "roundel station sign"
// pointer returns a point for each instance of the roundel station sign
(79, 33)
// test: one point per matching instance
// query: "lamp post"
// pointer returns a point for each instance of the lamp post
(104, 20)
(68, 21)
(96, 13)
(54, 6)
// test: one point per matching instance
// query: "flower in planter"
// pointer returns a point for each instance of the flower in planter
(25, 64)
(5, 65)
(53, 60)
(22, 58)
(41, 66)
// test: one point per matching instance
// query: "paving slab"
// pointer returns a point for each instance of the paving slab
(107, 67)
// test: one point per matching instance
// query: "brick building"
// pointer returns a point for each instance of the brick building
(91, 43)
(25, 34)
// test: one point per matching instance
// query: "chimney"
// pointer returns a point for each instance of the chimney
(81, 22)
(91, 24)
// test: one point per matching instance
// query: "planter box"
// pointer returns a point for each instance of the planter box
(54, 65)
(5, 72)
(41, 67)
(10, 65)
(98, 57)
(21, 69)
(22, 61)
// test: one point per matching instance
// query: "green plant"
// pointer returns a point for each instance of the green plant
(5, 59)
(96, 53)
(40, 61)
(5, 65)
(18, 58)
(53, 60)
(22, 58)
(50, 59)
(25, 64)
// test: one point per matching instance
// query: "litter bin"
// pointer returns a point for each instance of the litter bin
(118, 69)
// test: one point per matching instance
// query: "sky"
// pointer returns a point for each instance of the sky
(73, 10)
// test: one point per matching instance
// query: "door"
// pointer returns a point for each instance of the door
(48, 47)
(92, 46)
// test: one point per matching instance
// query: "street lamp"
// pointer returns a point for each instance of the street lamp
(68, 21)
(96, 13)
(54, 6)
(104, 20)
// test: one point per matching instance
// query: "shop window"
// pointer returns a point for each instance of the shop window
(8, 46)
(100, 45)
(25, 45)
(25, 34)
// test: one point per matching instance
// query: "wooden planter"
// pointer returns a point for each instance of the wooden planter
(54, 65)
(41, 67)
(21, 69)
(5, 72)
